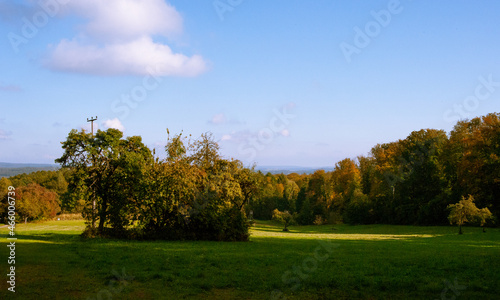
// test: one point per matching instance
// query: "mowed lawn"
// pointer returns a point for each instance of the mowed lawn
(309, 262)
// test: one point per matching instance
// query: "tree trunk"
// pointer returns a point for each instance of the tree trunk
(483, 229)
(459, 229)
(93, 212)
(101, 223)
(102, 216)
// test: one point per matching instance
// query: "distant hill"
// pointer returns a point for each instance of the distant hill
(290, 169)
(13, 169)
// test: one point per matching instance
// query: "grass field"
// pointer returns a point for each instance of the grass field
(310, 262)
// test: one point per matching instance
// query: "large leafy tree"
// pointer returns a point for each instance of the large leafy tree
(169, 193)
(348, 194)
(106, 171)
(406, 180)
(318, 192)
(423, 192)
(386, 177)
(220, 198)
(194, 193)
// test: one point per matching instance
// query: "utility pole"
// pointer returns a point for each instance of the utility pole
(91, 120)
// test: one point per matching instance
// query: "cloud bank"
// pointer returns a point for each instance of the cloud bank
(119, 39)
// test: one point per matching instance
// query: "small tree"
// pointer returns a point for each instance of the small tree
(463, 212)
(283, 217)
(484, 215)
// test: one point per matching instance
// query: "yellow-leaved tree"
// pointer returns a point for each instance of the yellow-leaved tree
(466, 211)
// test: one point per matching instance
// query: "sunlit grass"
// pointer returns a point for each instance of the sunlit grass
(62, 227)
(269, 231)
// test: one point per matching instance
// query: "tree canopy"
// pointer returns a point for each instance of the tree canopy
(191, 194)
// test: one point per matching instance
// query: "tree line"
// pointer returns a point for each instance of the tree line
(123, 189)
(408, 182)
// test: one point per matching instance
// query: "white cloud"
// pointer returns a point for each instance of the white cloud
(221, 119)
(138, 57)
(218, 119)
(225, 137)
(5, 135)
(125, 20)
(113, 123)
(285, 132)
(118, 39)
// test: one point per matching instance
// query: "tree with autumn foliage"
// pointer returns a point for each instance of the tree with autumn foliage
(466, 211)
(35, 202)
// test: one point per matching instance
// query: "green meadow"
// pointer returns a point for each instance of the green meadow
(309, 262)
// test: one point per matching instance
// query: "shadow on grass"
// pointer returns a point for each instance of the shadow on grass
(48, 237)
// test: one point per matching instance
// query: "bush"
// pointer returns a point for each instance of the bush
(319, 220)
(68, 217)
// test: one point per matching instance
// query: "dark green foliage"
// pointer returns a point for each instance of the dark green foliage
(51, 180)
(306, 213)
(358, 210)
(228, 225)
(105, 171)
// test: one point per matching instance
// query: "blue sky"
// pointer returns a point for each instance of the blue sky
(303, 83)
